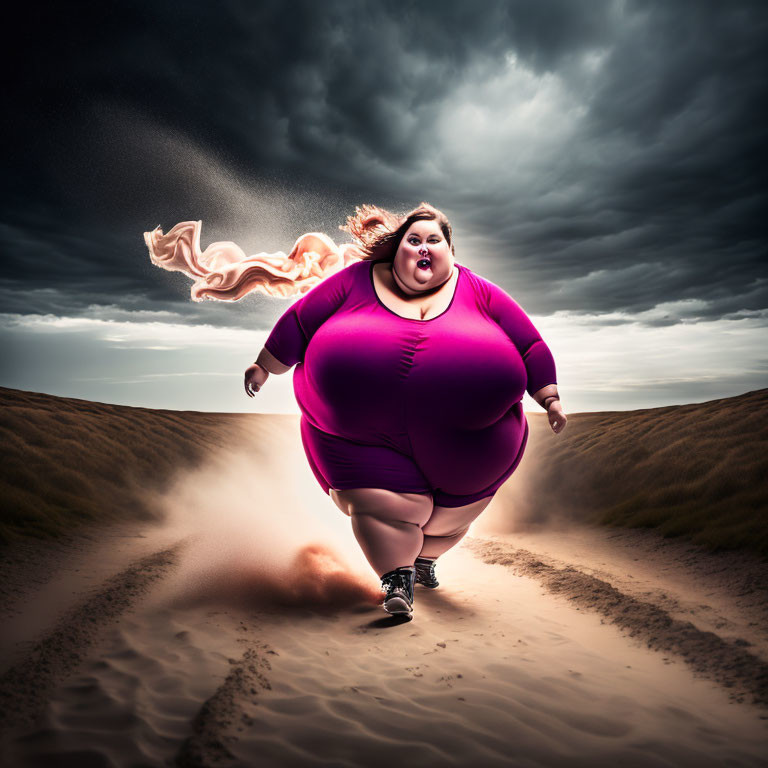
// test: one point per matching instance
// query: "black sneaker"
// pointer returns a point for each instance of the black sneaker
(398, 585)
(425, 572)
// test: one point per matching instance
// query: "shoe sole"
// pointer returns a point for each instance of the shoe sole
(397, 606)
(428, 586)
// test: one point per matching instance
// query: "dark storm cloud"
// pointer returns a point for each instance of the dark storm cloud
(638, 180)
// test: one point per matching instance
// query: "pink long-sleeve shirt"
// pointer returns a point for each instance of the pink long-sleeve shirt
(445, 392)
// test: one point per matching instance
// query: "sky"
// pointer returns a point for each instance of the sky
(603, 161)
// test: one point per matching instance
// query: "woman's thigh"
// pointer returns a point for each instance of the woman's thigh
(447, 521)
(384, 504)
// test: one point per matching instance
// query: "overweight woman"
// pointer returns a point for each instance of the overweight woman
(409, 373)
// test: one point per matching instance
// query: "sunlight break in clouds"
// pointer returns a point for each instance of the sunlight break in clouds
(511, 114)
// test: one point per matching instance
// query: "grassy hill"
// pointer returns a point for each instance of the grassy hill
(700, 470)
(67, 462)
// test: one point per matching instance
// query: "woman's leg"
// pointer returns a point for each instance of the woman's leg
(334, 494)
(447, 526)
(386, 524)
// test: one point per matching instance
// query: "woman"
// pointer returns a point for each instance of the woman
(410, 370)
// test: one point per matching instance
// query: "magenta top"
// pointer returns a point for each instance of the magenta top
(444, 391)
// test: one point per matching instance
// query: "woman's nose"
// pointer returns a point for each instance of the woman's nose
(423, 250)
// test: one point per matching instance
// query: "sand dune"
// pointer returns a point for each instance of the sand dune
(221, 613)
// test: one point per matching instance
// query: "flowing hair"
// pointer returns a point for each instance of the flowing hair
(224, 272)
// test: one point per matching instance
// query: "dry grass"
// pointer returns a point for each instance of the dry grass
(699, 470)
(67, 462)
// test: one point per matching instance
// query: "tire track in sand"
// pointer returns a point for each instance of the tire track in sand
(26, 686)
(230, 709)
(706, 653)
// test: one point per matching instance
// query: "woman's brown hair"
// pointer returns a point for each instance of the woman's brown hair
(378, 232)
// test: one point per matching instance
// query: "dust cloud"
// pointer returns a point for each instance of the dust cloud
(260, 531)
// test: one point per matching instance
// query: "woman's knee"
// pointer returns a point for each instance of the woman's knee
(386, 505)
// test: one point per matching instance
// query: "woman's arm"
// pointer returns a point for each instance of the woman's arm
(548, 398)
(286, 344)
(538, 360)
(257, 374)
(270, 363)
(546, 393)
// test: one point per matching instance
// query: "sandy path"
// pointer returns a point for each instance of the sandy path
(522, 679)
(727, 662)
(494, 670)
(723, 592)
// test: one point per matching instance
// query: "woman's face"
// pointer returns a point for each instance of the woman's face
(423, 259)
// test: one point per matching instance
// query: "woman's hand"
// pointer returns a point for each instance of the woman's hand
(556, 416)
(255, 376)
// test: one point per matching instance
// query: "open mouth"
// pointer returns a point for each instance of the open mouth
(424, 263)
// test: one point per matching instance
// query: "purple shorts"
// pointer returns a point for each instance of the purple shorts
(342, 464)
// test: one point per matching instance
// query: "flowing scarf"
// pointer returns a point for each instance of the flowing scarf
(224, 272)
